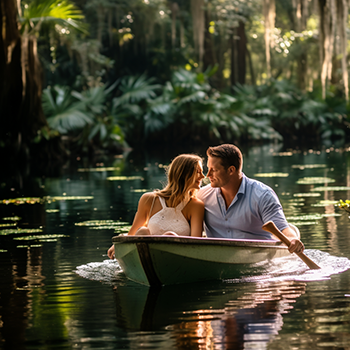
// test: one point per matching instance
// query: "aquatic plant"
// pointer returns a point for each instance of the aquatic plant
(344, 205)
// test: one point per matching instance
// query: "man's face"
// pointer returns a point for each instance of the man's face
(217, 174)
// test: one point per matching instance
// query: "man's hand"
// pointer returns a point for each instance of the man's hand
(296, 246)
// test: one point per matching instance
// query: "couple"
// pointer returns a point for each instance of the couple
(231, 206)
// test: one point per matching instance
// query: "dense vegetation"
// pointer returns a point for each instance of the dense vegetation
(100, 75)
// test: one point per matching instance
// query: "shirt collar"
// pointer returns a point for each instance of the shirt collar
(241, 189)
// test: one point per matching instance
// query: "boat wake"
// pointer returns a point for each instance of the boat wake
(107, 272)
(289, 268)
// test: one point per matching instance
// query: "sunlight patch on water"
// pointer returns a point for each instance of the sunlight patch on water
(105, 271)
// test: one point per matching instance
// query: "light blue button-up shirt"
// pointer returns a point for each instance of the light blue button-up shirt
(254, 204)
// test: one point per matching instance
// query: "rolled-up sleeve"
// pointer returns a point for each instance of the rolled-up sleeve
(271, 210)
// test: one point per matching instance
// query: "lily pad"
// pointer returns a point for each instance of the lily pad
(309, 217)
(111, 168)
(304, 223)
(40, 237)
(48, 199)
(331, 188)
(22, 200)
(8, 225)
(271, 175)
(324, 203)
(314, 180)
(12, 218)
(123, 229)
(307, 194)
(283, 154)
(124, 178)
(101, 223)
(19, 231)
(68, 198)
(308, 166)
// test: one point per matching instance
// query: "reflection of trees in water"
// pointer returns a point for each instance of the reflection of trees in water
(221, 317)
(21, 280)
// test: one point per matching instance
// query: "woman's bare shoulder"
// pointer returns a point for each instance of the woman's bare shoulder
(196, 202)
(148, 196)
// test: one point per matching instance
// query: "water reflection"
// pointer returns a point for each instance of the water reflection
(45, 304)
(207, 316)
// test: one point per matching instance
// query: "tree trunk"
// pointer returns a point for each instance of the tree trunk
(327, 31)
(269, 9)
(11, 84)
(197, 11)
(238, 55)
(21, 115)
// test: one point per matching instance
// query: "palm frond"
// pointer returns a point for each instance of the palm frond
(70, 120)
(135, 89)
(61, 12)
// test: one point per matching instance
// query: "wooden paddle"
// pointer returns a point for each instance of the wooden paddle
(271, 227)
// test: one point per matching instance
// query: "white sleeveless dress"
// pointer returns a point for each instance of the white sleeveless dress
(169, 219)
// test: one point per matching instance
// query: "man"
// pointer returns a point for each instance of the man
(237, 206)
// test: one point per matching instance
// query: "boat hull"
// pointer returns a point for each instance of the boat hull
(167, 260)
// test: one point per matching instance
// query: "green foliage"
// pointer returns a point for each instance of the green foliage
(39, 12)
(187, 107)
(82, 116)
(63, 112)
(138, 109)
(294, 114)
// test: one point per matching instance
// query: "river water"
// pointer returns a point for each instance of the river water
(59, 290)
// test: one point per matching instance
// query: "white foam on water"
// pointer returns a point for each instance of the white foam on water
(106, 271)
(290, 268)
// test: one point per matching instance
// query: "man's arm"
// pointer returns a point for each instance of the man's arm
(296, 245)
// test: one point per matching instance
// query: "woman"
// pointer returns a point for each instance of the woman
(174, 210)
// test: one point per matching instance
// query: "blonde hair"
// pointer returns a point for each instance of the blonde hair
(181, 174)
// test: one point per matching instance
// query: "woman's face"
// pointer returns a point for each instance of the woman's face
(197, 181)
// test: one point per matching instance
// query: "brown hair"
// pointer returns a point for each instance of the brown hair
(228, 154)
(180, 175)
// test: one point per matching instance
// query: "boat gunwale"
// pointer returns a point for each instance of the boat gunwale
(121, 239)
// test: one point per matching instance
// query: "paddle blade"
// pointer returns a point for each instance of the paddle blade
(271, 227)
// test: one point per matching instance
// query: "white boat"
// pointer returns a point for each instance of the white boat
(167, 260)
